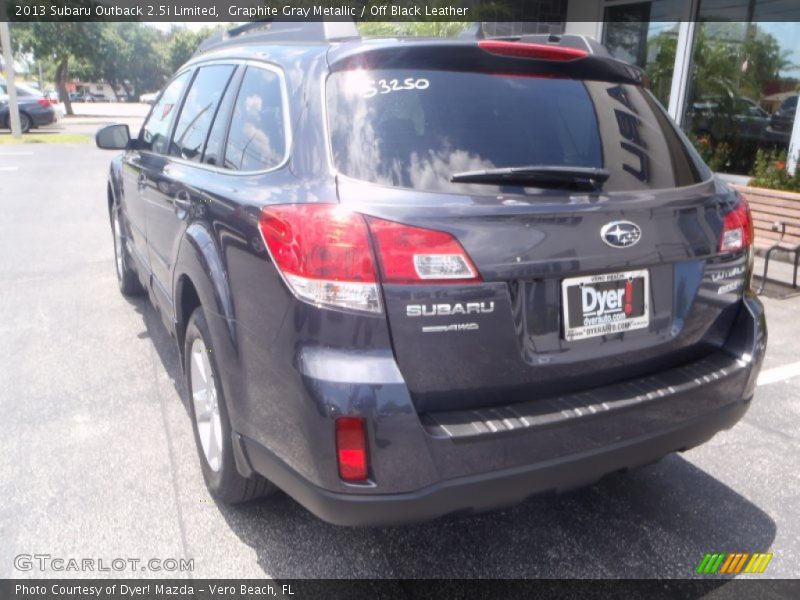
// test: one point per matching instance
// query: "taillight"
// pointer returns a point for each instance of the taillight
(43, 102)
(737, 230)
(415, 255)
(351, 448)
(523, 50)
(323, 253)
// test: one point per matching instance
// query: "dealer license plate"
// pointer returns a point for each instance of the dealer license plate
(604, 304)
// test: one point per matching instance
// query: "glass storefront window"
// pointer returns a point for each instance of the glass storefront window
(743, 85)
(745, 75)
(646, 34)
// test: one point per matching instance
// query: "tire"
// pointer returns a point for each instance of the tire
(212, 434)
(25, 122)
(127, 278)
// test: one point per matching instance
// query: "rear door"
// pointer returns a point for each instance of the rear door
(575, 287)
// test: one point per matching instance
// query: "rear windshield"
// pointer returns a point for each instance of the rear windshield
(416, 129)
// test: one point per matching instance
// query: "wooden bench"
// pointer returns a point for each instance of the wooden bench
(776, 220)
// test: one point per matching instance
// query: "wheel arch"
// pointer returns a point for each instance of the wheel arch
(110, 197)
(113, 185)
(200, 279)
(186, 301)
(7, 121)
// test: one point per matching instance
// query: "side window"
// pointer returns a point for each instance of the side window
(198, 111)
(215, 146)
(155, 131)
(257, 138)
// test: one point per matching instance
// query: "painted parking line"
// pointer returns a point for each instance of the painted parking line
(15, 153)
(9, 168)
(777, 374)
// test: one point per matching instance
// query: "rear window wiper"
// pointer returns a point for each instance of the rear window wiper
(537, 175)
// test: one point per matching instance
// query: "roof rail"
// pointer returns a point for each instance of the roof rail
(270, 31)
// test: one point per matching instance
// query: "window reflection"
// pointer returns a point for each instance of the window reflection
(646, 34)
(198, 111)
(742, 93)
(416, 129)
(156, 129)
(257, 138)
(455, 122)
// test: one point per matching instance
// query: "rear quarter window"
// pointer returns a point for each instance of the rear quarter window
(257, 139)
(415, 129)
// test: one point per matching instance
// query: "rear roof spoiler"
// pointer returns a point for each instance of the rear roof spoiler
(467, 55)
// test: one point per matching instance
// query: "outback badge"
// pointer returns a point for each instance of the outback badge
(621, 234)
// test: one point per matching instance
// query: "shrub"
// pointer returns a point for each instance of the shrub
(769, 171)
(715, 154)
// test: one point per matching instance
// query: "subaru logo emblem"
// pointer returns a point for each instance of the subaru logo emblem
(620, 234)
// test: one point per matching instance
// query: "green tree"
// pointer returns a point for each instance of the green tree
(661, 49)
(58, 43)
(131, 56)
(727, 61)
(183, 43)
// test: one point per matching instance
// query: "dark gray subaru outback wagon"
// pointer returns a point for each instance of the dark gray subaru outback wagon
(410, 278)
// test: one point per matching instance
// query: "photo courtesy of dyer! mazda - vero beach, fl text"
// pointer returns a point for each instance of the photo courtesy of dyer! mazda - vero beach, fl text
(412, 277)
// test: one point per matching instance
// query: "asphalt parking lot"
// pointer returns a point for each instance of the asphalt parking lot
(97, 458)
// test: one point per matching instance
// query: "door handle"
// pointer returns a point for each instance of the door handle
(182, 203)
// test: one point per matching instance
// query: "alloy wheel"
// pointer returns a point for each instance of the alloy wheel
(206, 404)
(118, 248)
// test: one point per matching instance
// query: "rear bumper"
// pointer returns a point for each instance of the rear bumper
(433, 464)
(43, 117)
(492, 490)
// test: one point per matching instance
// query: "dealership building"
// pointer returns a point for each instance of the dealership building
(728, 71)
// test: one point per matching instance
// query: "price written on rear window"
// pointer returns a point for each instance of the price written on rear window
(386, 86)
